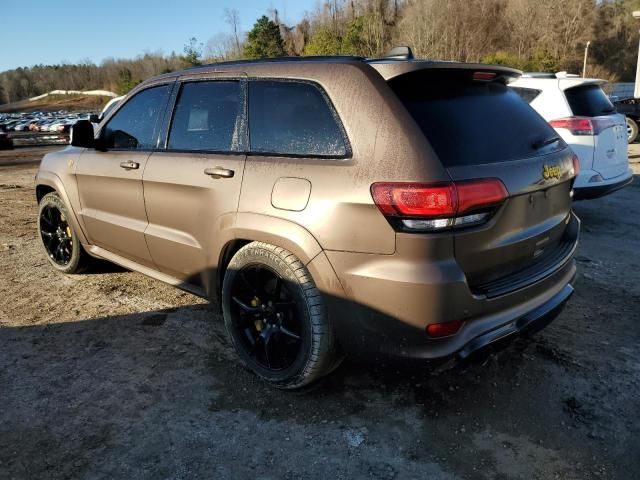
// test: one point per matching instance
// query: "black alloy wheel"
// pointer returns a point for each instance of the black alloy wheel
(56, 235)
(58, 238)
(276, 318)
(266, 317)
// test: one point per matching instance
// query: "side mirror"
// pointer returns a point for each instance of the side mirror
(82, 134)
(93, 118)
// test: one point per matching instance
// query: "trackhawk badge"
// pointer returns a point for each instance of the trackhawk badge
(551, 171)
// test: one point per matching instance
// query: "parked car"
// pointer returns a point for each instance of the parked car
(630, 108)
(22, 126)
(111, 104)
(5, 142)
(584, 117)
(387, 207)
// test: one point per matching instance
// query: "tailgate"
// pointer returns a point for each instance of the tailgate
(483, 130)
(531, 225)
(610, 155)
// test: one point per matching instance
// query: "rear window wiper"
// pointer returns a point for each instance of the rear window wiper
(538, 144)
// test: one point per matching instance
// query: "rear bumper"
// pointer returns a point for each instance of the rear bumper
(532, 322)
(390, 300)
(600, 189)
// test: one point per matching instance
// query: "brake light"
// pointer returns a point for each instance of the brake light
(415, 199)
(576, 125)
(484, 76)
(479, 194)
(420, 206)
(583, 125)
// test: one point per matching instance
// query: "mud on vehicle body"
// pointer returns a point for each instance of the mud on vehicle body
(331, 205)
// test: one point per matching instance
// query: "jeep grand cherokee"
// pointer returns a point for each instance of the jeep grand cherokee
(330, 205)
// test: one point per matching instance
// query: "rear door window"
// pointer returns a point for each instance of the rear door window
(207, 117)
(135, 125)
(472, 122)
(293, 118)
(588, 101)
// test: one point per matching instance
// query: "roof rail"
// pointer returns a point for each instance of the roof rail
(538, 75)
(310, 58)
(566, 75)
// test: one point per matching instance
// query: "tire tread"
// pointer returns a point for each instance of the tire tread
(324, 356)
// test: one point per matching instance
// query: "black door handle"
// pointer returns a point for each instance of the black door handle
(219, 172)
(130, 165)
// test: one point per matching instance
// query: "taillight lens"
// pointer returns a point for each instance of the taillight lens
(415, 199)
(576, 125)
(479, 194)
(484, 76)
(445, 329)
(583, 125)
(420, 206)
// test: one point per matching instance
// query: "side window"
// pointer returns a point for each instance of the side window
(207, 117)
(292, 118)
(527, 94)
(134, 126)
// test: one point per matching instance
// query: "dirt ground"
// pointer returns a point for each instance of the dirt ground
(113, 375)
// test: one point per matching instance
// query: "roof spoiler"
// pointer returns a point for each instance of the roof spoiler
(562, 74)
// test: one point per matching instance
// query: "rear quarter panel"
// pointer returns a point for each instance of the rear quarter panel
(386, 146)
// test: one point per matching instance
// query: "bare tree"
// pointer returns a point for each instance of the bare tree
(232, 17)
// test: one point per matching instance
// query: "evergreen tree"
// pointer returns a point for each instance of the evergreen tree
(264, 40)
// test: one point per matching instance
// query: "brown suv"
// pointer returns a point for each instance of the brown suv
(410, 208)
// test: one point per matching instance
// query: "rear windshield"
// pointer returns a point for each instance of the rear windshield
(588, 101)
(473, 122)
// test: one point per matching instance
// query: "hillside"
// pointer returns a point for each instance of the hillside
(71, 103)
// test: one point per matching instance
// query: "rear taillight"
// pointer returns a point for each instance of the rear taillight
(577, 126)
(583, 125)
(427, 207)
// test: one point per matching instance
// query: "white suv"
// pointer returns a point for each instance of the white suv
(584, 117)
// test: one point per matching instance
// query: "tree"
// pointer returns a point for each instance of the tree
(232, 17)
(264, 40)
(193, 52)
(126, 82)
(352, 43)
(323, 42)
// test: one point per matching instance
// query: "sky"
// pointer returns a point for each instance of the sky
(55, 31)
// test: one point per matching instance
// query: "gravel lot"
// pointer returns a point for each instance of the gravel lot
(113, 375)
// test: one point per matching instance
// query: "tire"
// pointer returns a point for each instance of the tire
(632, 130)
(292, 291)
(73, 258)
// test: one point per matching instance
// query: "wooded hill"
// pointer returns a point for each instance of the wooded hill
(534, 35)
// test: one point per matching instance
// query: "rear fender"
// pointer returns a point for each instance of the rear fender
(253, 227)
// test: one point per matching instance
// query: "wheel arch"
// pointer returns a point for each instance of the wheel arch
(42, 190)
(47, 182)
(251, 227)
